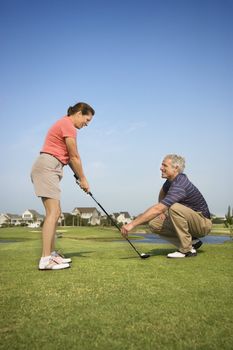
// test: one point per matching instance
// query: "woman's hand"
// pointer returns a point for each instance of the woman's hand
(84, 185)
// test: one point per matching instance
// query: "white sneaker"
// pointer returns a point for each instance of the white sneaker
(62, 259)
(178, 254)
(52, 264)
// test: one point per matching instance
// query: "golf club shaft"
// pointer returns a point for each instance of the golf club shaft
(110, 218)
(114, 223)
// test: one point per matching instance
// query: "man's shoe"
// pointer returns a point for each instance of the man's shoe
(196, 243)
(52, 264)
(178, 254)
(62, 259)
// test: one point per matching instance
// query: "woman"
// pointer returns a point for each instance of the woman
(59, 149)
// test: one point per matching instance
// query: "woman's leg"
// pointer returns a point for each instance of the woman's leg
(53, 211)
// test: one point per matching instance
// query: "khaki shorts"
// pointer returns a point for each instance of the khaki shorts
(47, 172)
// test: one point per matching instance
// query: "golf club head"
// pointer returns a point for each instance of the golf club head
(144, 256)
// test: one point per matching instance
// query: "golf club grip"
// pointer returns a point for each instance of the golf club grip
(77, 181)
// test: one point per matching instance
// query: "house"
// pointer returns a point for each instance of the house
(91, 216)
(4, 219)
(106, 221)
(115, 216)
(32, 218)
(10, 219)
(15, 219)
(123, 217)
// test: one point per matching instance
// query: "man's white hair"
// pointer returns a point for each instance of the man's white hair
(177, 161)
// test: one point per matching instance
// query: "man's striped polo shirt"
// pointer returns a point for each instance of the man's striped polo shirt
(181, 190)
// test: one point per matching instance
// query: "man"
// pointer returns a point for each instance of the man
(182, 214)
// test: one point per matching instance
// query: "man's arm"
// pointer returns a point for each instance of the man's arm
(148, 215)
(162, 194)
(76, 163)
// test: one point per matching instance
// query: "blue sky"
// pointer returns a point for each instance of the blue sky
(159, 75)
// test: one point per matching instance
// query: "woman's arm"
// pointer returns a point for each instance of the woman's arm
(76, 163)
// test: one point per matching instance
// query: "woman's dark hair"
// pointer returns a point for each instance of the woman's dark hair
(81, 106)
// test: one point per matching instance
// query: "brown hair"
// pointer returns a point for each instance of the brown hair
(81, 106)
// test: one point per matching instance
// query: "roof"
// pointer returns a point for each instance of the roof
(4, 214)
(125, 213)
(83, 210)
(35, 213)
(14, 216)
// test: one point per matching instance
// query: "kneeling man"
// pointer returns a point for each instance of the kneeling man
(182, 215)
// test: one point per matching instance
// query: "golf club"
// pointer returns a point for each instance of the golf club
(142, 255)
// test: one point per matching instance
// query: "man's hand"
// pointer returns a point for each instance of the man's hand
(149, 214)
(84, 184)
(126, 228)
(162, 217)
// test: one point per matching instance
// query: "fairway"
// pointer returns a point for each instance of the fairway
(110, 298)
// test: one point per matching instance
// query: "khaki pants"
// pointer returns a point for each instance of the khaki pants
(179, 225)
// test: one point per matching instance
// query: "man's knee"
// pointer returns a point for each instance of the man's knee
(155, 226)
(178, 209)
(174, 208)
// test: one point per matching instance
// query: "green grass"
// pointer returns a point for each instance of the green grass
(220, 229)
(110, 299)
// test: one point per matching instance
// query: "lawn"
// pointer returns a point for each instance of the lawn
(111, 299)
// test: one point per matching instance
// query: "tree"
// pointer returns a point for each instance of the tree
(229, 220)
(34, 218)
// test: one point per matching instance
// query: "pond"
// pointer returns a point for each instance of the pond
(152, 238)
(148, 238)
(8, 241)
